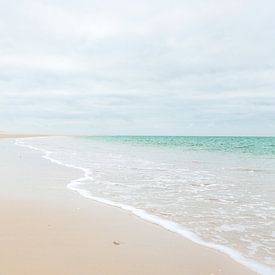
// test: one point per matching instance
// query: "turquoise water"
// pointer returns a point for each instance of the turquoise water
(220, 188)
(246, 145)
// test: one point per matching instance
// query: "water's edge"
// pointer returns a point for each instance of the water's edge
(75, 185)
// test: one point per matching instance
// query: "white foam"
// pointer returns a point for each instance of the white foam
(169, 225)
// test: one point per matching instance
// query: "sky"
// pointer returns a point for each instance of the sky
(147, 67)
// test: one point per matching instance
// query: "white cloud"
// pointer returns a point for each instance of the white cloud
(138, 66)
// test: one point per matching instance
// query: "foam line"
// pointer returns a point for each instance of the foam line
(75, 185)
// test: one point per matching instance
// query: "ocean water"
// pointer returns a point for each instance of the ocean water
(216, 191)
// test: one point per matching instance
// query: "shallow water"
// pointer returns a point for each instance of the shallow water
(220, 188)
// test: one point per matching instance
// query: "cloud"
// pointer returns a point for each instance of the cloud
(149, 67)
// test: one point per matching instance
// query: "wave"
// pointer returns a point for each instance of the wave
(75, 185)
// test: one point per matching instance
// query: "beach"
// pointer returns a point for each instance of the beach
(48, 229)
(18, 135)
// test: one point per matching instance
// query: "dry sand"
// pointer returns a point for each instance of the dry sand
(48, 229)
(17, 135)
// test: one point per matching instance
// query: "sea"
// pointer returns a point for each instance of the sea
(216, 191)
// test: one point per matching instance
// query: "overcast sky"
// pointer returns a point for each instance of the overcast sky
(154, 67)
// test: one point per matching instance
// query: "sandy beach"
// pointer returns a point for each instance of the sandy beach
(18, 135)
(48, 229)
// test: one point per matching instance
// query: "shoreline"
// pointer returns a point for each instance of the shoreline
(75, 185)
(185, 254)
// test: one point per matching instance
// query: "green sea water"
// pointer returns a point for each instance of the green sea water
(246, 145)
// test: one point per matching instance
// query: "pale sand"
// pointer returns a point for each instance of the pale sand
(48, 229)
(17, 135)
